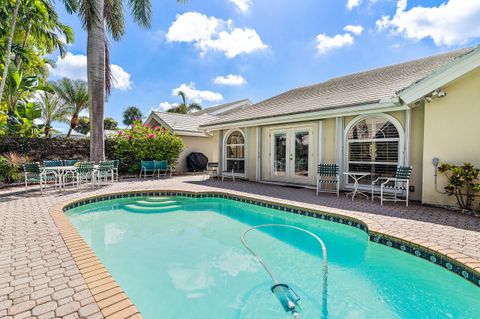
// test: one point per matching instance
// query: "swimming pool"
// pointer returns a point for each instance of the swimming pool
(181, 257)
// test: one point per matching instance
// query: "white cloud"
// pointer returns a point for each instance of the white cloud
(451, 23)
(164, 106)
(326, 43)
(353, 3)
(242, 5)
(231, 79)
(210, 33)
(197, 95)
(355, 29)
(74, 66)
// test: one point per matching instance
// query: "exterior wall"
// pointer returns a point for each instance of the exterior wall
(416, 152)
(205, 145)
(251, 153)
(328, 141)
(452, 133)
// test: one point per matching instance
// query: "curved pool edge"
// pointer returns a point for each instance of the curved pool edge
(107, 291)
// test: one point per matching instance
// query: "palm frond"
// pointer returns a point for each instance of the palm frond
(114, 18)
(194, 106)
(108, 70)
(141, 11)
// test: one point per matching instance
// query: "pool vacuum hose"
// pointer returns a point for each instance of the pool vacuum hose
(285, 295)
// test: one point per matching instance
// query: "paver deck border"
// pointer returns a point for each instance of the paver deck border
(115, 304)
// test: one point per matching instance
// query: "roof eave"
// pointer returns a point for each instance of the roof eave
(383, 105)
(441, 77)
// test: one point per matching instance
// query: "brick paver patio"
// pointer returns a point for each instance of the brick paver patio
(40, 279)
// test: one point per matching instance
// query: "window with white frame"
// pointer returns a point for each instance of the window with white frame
(235, 152)
(373, 146)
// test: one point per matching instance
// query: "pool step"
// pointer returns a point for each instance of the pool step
(147, 203)
(143, 209)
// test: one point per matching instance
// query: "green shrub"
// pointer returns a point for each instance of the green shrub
(11, 167)
(142, 142)
(463, 183)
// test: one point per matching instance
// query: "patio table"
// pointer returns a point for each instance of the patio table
(62, 171)
(356, 176)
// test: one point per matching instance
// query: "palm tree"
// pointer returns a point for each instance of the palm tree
(130, 115)
(53, 109)
(185, 108)
(70, 5)
(75, 95)
(99, 17)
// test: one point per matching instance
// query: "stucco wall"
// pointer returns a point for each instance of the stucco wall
(205, 145)
(452, 132)
(251, 153)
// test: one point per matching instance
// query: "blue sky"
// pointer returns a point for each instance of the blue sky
(225, 50)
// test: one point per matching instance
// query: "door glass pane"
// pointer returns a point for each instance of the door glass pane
(301, 153)
(279, 154)
(235, 151)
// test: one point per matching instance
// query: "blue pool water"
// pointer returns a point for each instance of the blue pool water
(182, 258)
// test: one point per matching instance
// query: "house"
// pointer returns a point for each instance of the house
(187, 127)
(372, 121)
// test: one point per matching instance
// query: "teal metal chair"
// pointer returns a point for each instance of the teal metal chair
(104, 171)
(147, 167)
(162, 167)
(85, 173)
(392, 187)
(116, 164)
(35, 174)
(70, 162)
(328, 174)
(52, 163)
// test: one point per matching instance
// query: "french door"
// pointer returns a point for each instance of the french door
(290, 154)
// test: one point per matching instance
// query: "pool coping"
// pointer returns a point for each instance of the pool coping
(114, 302)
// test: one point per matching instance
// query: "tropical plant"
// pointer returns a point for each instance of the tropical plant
(110, 124)
(53, 109)
(142, 142)
(83, 125)
(131, 114)
(36, 18)
(17, 88)
(75, 94)
(185, 108)
(27, 112)
(463, 183)
(10, 166)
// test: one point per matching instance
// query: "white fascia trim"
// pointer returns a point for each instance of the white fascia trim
(441, 77)
(310, 116)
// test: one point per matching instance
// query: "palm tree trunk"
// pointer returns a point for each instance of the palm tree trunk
(96, 81)
(69, 132)
(9, 47)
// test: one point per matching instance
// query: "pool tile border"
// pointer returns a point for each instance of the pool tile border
(466, 267)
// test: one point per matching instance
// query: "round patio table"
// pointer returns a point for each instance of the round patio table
(356, 176)
(61, 171)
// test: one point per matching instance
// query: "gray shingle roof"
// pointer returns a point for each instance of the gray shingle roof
(354, 89)
(224, 108)
(184, 123)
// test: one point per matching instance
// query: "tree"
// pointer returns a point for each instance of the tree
(52, 27)
(99, 18)
(83, 125)
(17, 87)
(110, 124)
(53, 109)
(131, 114)
(75, 95)
(185, 108)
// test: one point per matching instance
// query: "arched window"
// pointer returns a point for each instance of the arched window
(235, 152)
(373, 146)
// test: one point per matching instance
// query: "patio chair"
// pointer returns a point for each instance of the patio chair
(104, 171)
(116, 164)
(35, 174)
(85, 172)
(398, 184)
(230, 173)
(328, 174)
(52, 163)
(211, 170)
(147, 167)
(162, 166)
(70, 162)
